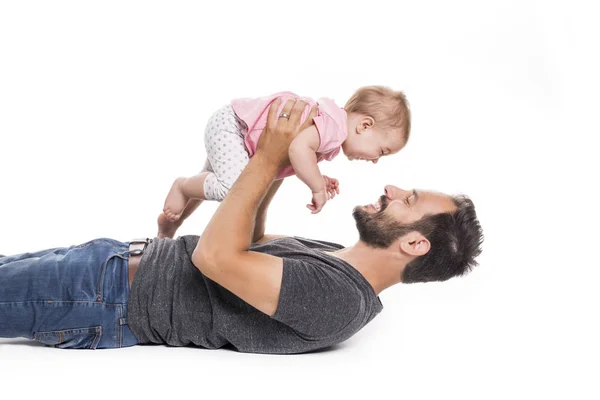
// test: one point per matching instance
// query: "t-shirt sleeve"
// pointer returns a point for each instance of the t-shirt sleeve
(331, 139)
(317, 301)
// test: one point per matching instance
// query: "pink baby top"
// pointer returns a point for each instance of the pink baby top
(330, 123)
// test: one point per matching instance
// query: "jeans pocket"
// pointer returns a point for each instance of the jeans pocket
(80, 338)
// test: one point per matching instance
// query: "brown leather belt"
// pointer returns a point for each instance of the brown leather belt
(136, 250)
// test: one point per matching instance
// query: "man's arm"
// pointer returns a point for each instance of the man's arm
(261, 215)
(222, 251)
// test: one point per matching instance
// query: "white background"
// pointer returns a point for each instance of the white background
(102, 104)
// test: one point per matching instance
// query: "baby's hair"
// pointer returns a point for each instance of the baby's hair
(387, 107)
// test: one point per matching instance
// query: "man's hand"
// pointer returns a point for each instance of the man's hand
(275, 139)
(222, 253)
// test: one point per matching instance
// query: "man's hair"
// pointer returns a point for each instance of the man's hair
(387, 107)
(455, 243)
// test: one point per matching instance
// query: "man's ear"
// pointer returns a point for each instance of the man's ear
(415, 244)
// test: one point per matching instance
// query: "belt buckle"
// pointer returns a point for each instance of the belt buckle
(138, 241)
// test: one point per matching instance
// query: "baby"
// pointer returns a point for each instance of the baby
(375, 122)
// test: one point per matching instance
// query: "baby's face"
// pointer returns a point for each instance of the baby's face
(371, 145)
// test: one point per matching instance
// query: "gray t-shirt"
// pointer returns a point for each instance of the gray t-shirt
(323, 300)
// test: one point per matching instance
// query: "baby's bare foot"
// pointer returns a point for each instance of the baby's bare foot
(176, 201)
(166, 227)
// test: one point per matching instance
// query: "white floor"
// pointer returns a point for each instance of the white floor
(103, 104)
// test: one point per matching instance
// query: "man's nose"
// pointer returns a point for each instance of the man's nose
(389, 191)
(392, 192)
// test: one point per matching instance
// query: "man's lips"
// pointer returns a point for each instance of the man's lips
(375, 207)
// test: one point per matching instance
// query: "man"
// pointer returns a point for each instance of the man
(234, 285)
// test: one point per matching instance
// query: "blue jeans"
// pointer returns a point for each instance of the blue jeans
(71, 297)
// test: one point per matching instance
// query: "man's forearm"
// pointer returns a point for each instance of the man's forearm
(232, 226)
(261, 214)
(229, 233)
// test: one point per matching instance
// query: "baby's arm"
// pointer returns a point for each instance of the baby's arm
(303, 156)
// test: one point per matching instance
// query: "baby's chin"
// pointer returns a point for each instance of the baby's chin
(348, 156)
(344, 149)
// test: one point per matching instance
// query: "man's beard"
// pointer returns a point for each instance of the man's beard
(378, 229)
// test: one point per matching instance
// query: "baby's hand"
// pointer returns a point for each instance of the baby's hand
(332, 186)
(318, 201)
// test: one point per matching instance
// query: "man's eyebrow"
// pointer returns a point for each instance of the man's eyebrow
(416, 195)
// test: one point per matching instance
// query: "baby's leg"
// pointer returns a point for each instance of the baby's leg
(226, 153)
(168, 227)
(226, 158)
(182, 190)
